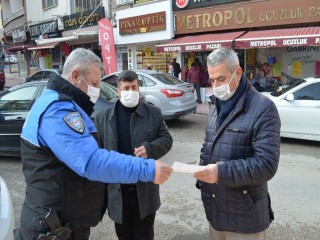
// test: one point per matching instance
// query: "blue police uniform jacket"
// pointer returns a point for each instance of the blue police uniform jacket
(63, 166)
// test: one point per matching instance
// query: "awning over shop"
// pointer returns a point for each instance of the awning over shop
(87, 31)
(44, 46)
(205, 42)
(19, 47)
(304, 36)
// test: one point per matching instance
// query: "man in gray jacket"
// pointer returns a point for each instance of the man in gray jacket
(133, 127)
(241, 151)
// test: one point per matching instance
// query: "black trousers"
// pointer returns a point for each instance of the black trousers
(132, 227)
(197, 88)
(22, 233)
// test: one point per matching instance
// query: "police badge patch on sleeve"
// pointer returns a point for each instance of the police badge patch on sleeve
(75, 121)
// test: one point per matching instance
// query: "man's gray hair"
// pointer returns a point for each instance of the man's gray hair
(221, 55)
(81, 59)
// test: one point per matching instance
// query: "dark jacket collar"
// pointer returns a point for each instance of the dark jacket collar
(139, 109)
(68, 91)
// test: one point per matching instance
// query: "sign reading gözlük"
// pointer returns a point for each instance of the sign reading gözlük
(74, 21)
(18, 34)
(47, 29)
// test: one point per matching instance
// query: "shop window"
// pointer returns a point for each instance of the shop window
(121, 2)
(310, 92)
(49, 3)
(83, 5)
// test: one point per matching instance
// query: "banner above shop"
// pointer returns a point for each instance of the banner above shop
(179, 5)
(46, 29)
(18, 34)
(205, 42)
(307, 36)
(143, 23)
(108, 49)
(248, 14)
(74, 21)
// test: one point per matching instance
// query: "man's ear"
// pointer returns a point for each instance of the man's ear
(239, 72)
(75, 75)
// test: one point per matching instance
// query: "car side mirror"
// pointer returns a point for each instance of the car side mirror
(290, 97)
(27, 79)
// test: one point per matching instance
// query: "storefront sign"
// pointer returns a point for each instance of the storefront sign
(46, 29)
(280, 43)
(130, 59)
(248, 15)
(142, 1)
(178, 5)
(194, 47)
(74, 21)
(143, 23)
(108, 49)
(18, 34)
(121, 48)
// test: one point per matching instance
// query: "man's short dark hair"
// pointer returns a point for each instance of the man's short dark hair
(127, 75)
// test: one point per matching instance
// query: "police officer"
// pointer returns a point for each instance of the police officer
(64, 168)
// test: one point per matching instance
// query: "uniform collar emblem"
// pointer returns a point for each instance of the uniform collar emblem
(75, 122)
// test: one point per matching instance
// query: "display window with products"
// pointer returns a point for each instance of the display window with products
(154, 60)
(271, 69)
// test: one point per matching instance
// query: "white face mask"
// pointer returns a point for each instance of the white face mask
(129, 98)
(92, 92)
(223, 92)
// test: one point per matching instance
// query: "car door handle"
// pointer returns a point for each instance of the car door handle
(20, 119)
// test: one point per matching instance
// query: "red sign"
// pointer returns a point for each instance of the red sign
(182, 3)
(108, 49)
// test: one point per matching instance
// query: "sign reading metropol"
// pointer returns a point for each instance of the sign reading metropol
(247, 15)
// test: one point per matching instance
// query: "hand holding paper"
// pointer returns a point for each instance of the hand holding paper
(186, 168)
(209, 174)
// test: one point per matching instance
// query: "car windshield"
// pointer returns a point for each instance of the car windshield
(286, 89)
(166, 78)
(107, 92)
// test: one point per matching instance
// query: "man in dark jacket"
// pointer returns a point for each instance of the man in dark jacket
(64, 168)
(241, 151)
(176, 68)
(136, 128)
(194, 77)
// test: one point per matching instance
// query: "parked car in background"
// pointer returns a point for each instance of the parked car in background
(16, 102)
(299, 109)
(11, 59)
(44, 74)
(2, 77)
(7, 223)
(174, 97)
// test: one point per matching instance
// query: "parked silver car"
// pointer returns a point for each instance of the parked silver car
(174, 97)
(7, 223)
(44, 74)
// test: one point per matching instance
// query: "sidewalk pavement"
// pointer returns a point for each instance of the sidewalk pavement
(13, 79)
(203, 108)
